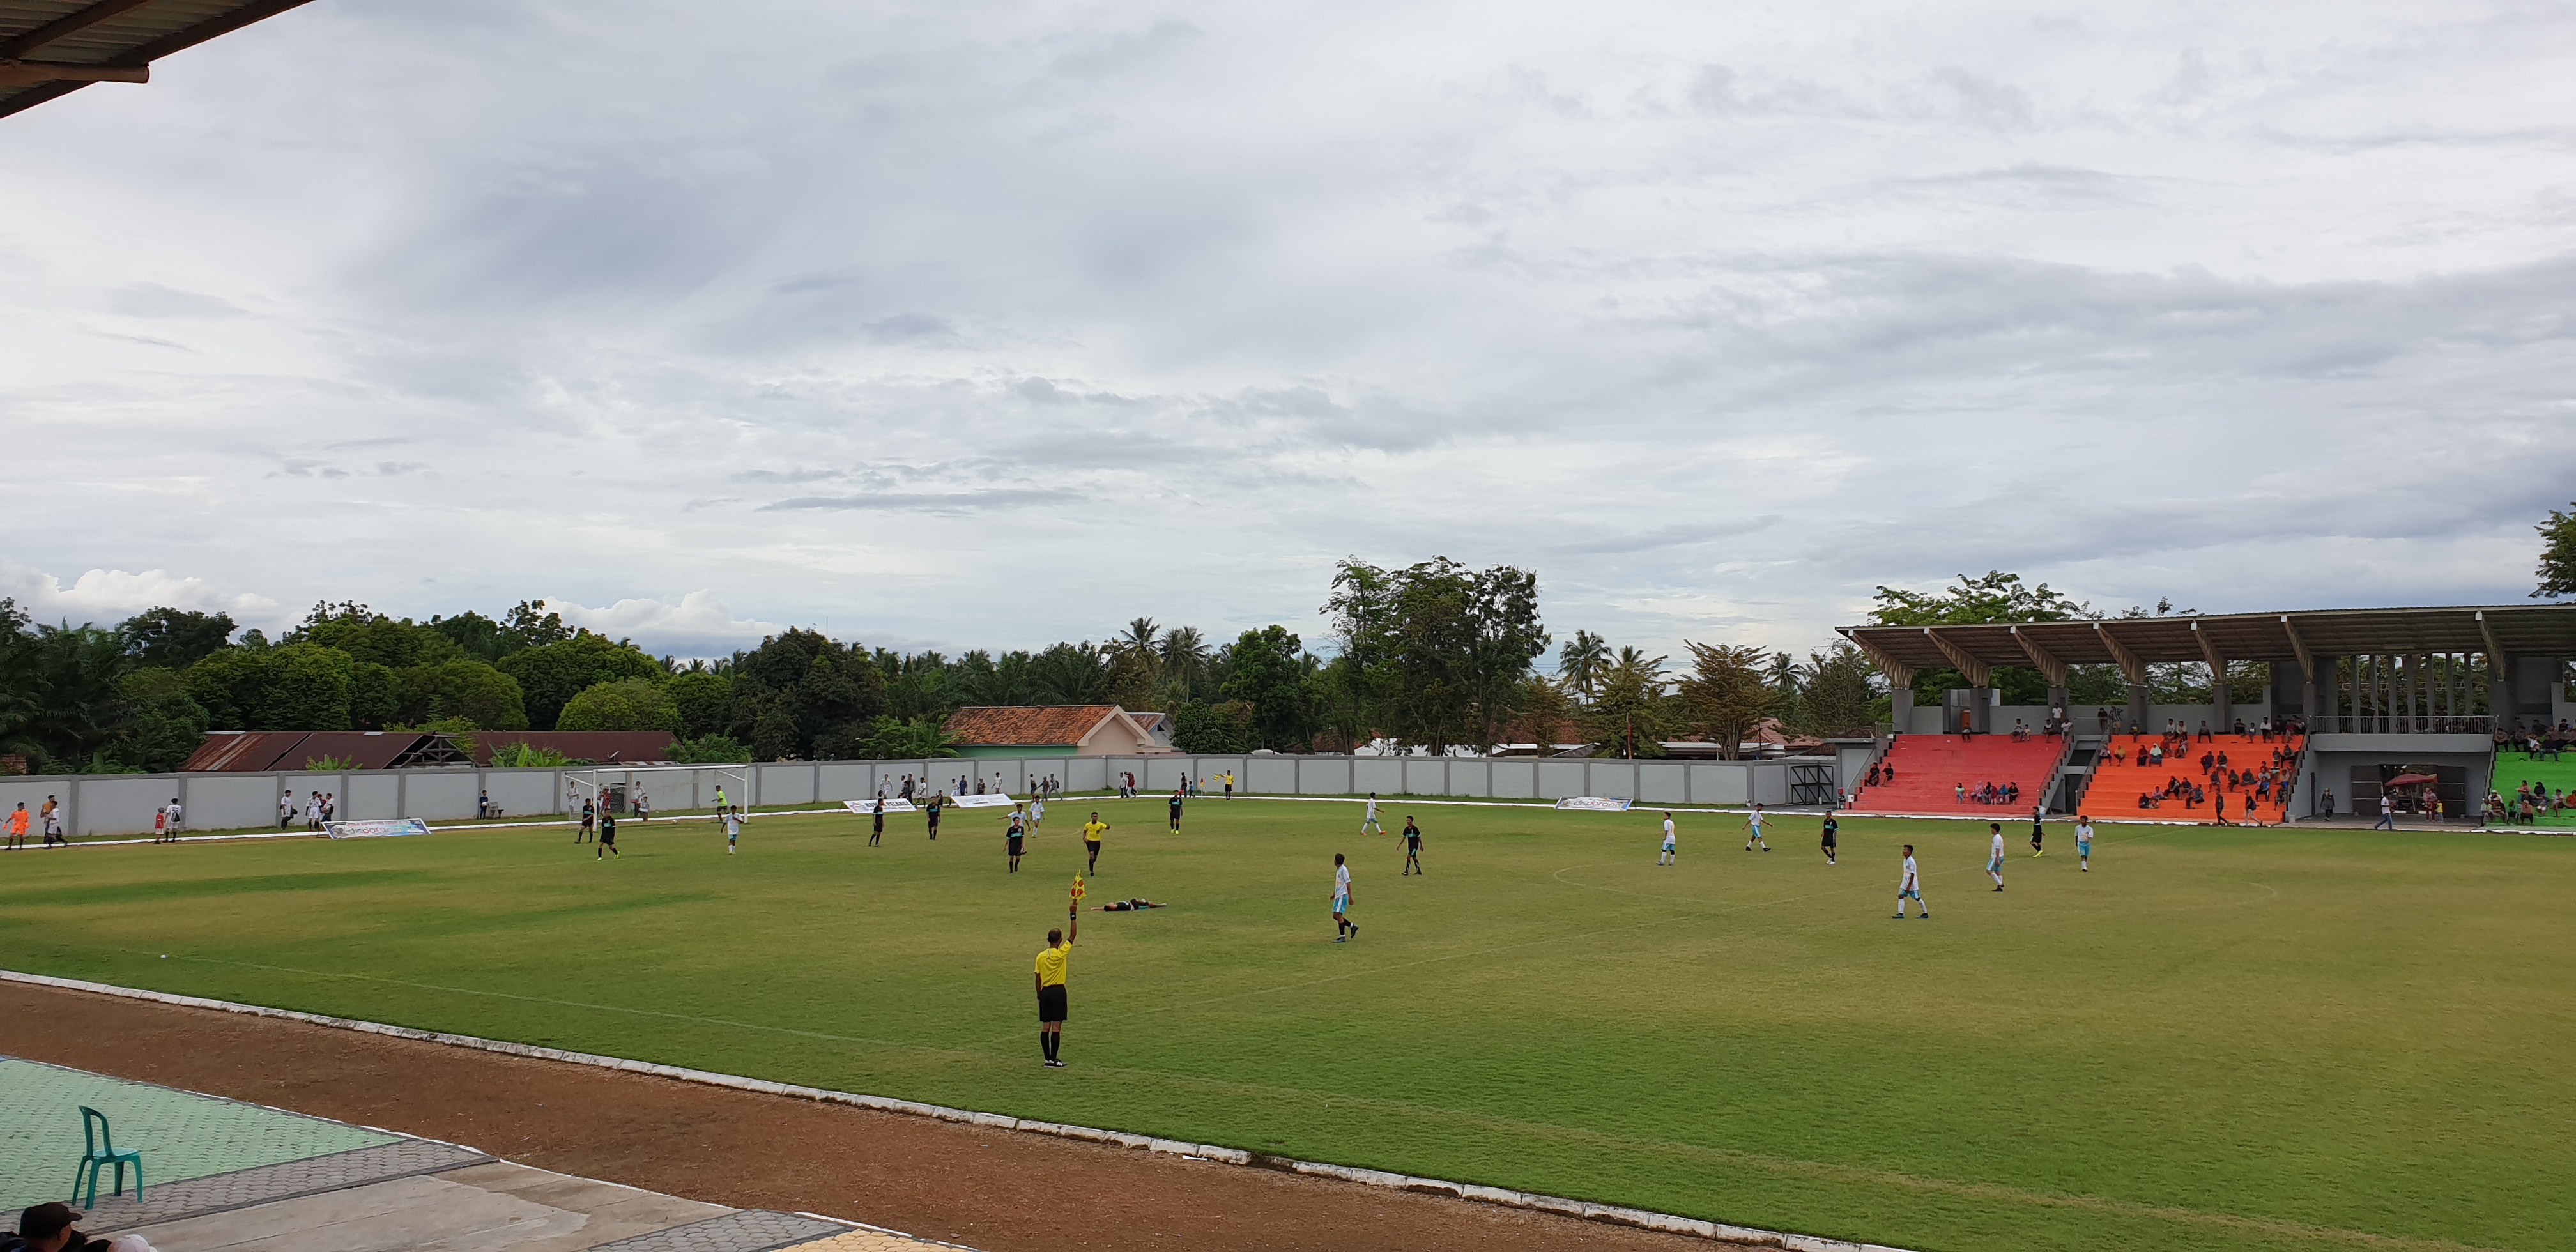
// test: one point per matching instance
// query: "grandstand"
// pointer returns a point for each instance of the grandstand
(2123, 783)
(2413, 704)
(1932, 769)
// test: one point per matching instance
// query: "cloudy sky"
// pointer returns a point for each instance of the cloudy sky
(989, 324)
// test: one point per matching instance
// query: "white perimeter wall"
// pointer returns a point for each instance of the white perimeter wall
(121, 804)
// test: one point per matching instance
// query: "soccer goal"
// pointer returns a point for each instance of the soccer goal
(617, 789)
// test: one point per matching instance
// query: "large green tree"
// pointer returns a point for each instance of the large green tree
(1726, 693)
(803, 695)
(174, 638)
(625, 704)
(1269, 672)
(1439, 650)
(2557, 555)
(552, 674)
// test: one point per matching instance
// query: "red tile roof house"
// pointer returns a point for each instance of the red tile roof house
(1050, 730)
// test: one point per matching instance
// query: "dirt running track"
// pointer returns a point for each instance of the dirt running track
(1000, 1191)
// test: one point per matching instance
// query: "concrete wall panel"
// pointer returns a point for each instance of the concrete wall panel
(1383, 775)
(1270, 775)
(1324, 776)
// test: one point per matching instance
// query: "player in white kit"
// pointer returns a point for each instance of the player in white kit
(1995, 859)
(1910, 886)
(1368, 824)
(1670, 855)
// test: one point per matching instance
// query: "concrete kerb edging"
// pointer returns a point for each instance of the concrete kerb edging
(1611, 1213)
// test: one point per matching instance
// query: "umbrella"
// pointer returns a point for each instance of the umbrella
(2411, 780)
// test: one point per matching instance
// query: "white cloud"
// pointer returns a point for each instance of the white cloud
(697, 624)
(105, 596)
(990, 325)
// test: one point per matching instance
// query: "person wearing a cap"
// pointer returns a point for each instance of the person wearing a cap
(45, 1227)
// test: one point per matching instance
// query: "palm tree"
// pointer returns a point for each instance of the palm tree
(1185, 656)
(1581, 662)
(1137, 640)
(1634, 660)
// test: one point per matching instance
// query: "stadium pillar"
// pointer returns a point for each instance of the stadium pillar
(1900, 708)
(2138, 706)
(1981, 709)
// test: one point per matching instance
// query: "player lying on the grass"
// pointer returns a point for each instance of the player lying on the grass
(1130, 906)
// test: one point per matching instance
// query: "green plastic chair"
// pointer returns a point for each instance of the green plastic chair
(99, 1148)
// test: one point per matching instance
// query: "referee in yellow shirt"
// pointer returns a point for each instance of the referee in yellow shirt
(1050, 979)
(1091, 831)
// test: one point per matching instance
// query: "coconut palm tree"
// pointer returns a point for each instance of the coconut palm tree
(1581, 662)
(1185, 656)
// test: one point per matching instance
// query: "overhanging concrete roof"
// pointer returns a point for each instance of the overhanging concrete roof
(2513, 630)
(52, 48)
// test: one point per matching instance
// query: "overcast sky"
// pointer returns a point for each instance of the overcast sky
(970, 324)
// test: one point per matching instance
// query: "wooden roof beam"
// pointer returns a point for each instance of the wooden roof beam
(2209, 653)
(30, 73)
(1898, 673)
(2307, 661)
(66, 26)
(1980, 674)
(2130, 666)
(2050, 667)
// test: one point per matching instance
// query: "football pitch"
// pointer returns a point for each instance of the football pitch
(2218, 1038)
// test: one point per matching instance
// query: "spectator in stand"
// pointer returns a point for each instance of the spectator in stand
(45, 1227)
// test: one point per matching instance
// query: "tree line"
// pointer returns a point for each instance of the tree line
(1435, 656)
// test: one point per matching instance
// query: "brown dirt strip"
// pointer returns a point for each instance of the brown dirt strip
(1002, 1191)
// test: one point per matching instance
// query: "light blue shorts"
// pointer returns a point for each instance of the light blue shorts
(1341, 904)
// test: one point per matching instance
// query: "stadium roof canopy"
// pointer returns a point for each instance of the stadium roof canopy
(52, 48)
(2133, 643)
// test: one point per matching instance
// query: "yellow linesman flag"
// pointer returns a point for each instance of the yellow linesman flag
(1078, 889)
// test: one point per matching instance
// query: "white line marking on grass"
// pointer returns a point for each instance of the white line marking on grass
(1607, 1213)
(1614, 1214)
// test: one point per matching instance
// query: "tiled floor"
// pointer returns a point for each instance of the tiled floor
(182, 1135)
(230, 1177)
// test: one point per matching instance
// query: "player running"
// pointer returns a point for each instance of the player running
(1091, 832)
(2038, 818)
(1342, 902)
(1369, 824)
(607, 836)
(1050, 979)
(1832, 828)
(1753, 824)
(1176, 810)
(1412, 849)
(2084, 843)
(1018, 830)
(1910, 886)
(1671, 854)
(1995, 858)
(1037, 811)
(733, 829)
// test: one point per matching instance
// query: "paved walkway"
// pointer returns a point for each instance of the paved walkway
(225, 1176)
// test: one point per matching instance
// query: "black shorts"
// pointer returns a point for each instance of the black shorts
(1051, 1003)
(1829, 838)
(1093, 845)
(1015, 845)
(608, 837)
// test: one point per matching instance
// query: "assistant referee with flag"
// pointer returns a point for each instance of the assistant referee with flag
(1050, 978)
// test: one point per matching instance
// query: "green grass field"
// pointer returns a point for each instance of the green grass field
(2217, 1039)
